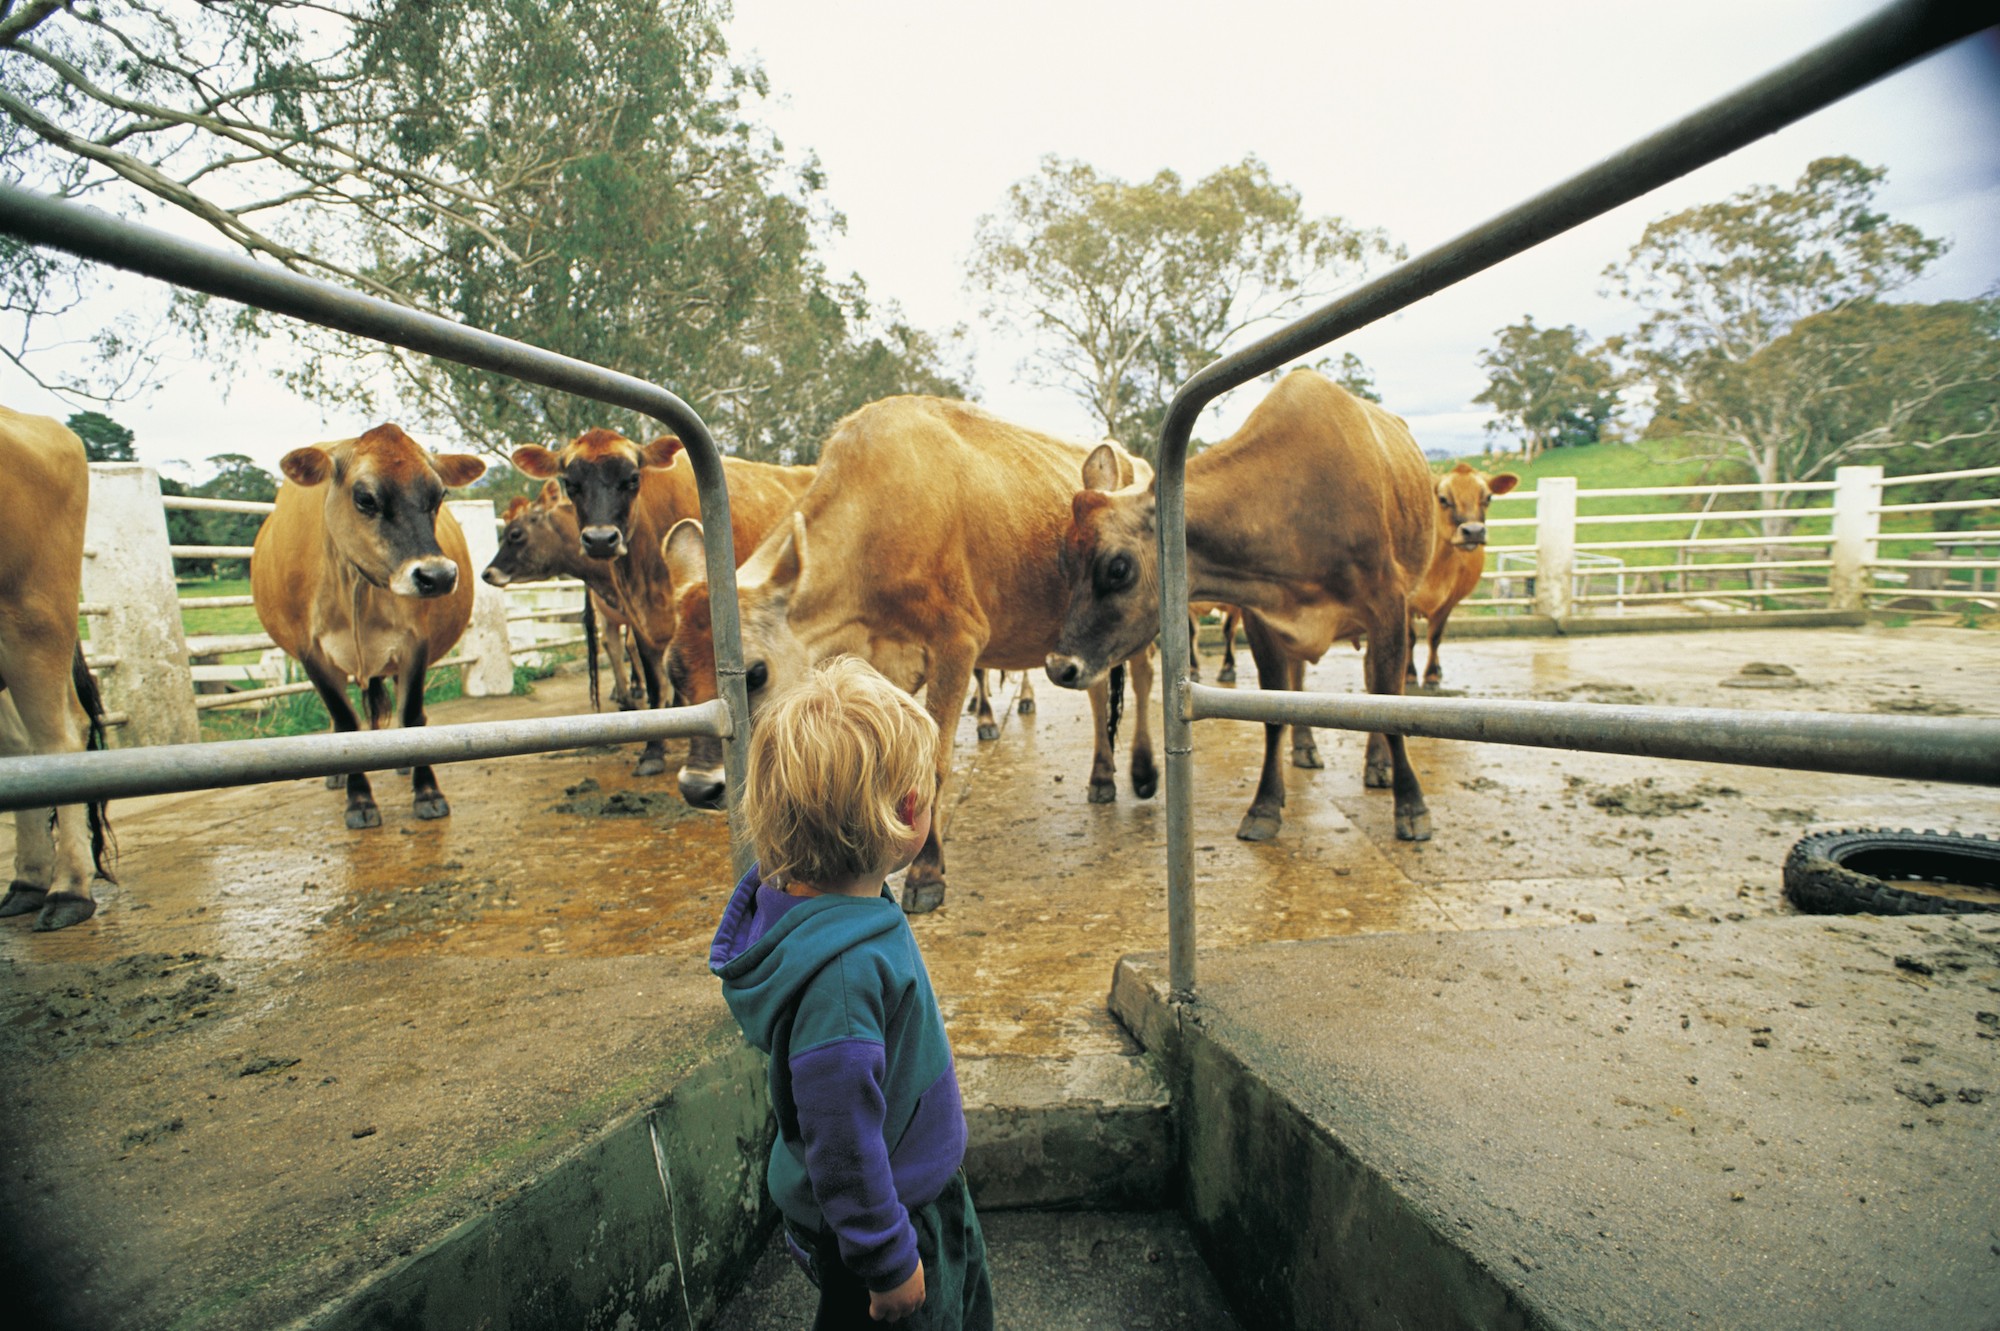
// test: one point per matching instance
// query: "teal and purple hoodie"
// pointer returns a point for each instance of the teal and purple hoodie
(869, 1121)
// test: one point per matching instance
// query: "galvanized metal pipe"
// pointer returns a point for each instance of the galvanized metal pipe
(1869, 50)
(94, 235)
(72, 778)
(1961, 749)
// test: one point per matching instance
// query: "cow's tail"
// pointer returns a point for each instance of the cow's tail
(1115, 705)
(590, 647)
(103, 845)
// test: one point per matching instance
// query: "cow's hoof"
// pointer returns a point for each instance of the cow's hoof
(1103, 792)
(1413, 826)
(1377, 776)
(988, 730)
(1145, 779)
(1433, 678)
(362, 816)
(432, 806)
(1226, 675)
(651, 764)
(22, 898)
(63, 909)
(336, 782)
(1307, 757)
(921, 898)
(1259, 826)
(1026, 707)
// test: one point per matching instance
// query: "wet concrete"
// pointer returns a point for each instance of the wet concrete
(488, 990)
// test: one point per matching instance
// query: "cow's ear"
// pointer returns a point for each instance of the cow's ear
(537, 461)
(1100, 469)
(1502, 483)
(551, 494)
(456, 469)
(310, 465)
(791, 565)
(661, 452)
(685, 555)
(515, 507)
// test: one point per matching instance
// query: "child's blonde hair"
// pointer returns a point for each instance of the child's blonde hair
(830, 761)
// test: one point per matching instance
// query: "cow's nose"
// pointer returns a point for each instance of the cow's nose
(1064, 670)
(702, 789)
(496, 577)
(601, 542)
(434, 577)
(1472, 533)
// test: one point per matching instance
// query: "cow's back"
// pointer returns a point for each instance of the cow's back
(46, 493)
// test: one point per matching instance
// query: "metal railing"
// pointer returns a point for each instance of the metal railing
(1871, 49)
(39, 780)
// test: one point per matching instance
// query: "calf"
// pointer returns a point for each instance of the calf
(1458, 556)
(48, 701)
(1314, 518)
(360, 573)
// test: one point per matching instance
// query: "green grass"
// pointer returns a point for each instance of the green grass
(305, 714)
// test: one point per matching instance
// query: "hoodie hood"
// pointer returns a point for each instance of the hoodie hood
(760, 979)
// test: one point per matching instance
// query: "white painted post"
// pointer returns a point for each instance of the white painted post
(1555, 544)
(1857, 493)
(492, 675)
(128, 568)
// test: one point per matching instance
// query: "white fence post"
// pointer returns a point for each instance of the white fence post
(1555, 544)
(129, 570)
(492, 675)
(1857, 493)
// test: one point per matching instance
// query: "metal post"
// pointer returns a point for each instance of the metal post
(127, 570)
(491, 674)
(1177, 720)
(1857, 494)
(1555, 545)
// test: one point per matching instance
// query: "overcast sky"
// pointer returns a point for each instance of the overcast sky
(1421, 119)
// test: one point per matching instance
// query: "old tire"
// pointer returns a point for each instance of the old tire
(1883, 872)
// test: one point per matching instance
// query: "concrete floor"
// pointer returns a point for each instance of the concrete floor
(462, 999)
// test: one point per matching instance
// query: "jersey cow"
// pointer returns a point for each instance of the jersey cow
(361, 573)
(48, 701)
(627, 497)
(538, 539)
(1315, 518)
(929, 546)
(1458, 556)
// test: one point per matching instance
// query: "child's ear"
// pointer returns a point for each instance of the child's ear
(906, 808)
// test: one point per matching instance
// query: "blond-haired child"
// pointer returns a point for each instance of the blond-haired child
(820, 968)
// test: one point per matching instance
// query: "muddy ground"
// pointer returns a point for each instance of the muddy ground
(284, 1051)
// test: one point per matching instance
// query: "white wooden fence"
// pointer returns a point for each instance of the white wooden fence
(1840, 567)
(157, 678)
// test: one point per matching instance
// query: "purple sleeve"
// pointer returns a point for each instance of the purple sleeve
(838, 1090)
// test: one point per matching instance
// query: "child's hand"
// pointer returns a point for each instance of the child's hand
(899, 1302)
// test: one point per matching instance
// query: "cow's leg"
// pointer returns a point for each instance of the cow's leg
(332, 687)
(1378, 767)
(1026, 705)
(1103, 759)
(616, 657)
(1145, 773)
(1384, 670)
(429, 800)
(983, 705)
(653, 758)
(1194, 646)
(1433, 673)
(52, 861)
(381, 712)
(1410, 661)
(1305, 751)
(1266, 813)
(1230, 619)
(944, 694)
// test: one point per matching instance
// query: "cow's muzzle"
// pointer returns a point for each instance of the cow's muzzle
(703, 787)
(603, 542)
(1067, 671)
(1471, 535)
(497, 577)
(425, 578)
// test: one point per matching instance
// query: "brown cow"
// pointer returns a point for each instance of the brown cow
(627, 498)
(48, 701)
(929, 546)
(539, 540)
(1232, 620)
(361, 573)
(1458, 556)
(1315, 518)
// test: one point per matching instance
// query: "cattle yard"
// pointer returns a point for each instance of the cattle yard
(308, 1053)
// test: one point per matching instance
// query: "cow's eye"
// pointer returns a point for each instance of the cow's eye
(1443, 502)
(756, 677)
(630, 484)
(365, 504)
(515, 536)
(1117, 571)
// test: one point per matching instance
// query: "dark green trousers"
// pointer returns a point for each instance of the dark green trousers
(957, 1294)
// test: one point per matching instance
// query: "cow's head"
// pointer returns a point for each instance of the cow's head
(1462, 496)
(538, 540)
(1111, 560)
(382, 498)
(600, 475)
(773, 656)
